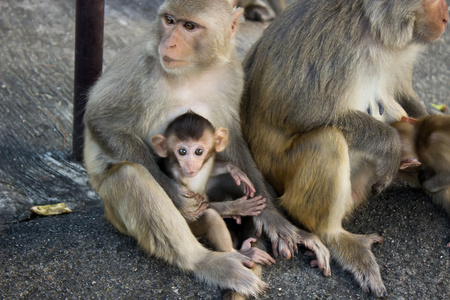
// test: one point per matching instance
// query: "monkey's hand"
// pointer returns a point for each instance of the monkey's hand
(316, 249)
(248, 207)
(255, 254)
(241, 177)
(280, 231)
(240, 207)
(192, 205)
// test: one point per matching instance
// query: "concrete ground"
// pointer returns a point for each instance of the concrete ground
(81, 256)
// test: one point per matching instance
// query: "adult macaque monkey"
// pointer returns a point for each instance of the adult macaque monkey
(189, 146)
(187, 62)
(261, 10)
(322, 85)
(426, 143)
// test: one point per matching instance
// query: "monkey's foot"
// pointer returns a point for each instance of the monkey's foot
(316, 249)
(353, 252)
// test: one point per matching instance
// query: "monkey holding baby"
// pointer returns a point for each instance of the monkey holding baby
(189, 146)
(188, 62)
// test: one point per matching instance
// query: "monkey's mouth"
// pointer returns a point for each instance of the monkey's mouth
(190, 174)
(172, 63)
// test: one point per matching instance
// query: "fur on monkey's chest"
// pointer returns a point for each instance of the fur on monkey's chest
(206, 96)
(378, 79)
(376, 98)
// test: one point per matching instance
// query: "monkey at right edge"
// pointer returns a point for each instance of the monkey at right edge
(426, 144)
(322, 85)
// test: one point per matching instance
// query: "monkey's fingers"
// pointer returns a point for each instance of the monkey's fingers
(248, 186)
(380, 186)
(247, 244)
(257, 208)
(286, 247)
(249, 263)
(263, 258)
(317, 249)
(257, 255)
(410, 164)
(249, 189)
(238, 219)
(202, 207)
(258, 227)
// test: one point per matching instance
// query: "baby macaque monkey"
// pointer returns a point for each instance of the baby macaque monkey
(426, 143)
(189, 146)
(407, 131)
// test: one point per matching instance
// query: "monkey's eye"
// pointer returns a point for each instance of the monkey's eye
(189, 25)
(169, 20)
(198, 152)
(182, 152)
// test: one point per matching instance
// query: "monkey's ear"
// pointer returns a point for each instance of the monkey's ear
(237, 13)
(221, 138)
(160, 145)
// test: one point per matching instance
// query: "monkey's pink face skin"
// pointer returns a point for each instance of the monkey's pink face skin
(436, 12)
(191, 156)
(177, 41)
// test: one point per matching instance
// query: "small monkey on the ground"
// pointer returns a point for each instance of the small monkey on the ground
(426, 144)
(189, 146)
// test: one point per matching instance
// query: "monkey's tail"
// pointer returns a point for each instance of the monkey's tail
(226, 270)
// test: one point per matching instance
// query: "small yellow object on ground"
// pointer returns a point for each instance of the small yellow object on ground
(52, 209)
(441, 107)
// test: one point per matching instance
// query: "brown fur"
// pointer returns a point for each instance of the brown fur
(428, 140)
(322, 85)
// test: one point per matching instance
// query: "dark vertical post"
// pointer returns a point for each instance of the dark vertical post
(88, 62)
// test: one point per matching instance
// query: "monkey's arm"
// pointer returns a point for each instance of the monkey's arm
(240, 207)
(120, 145)
(221, 167)
(411, 104)
(378, 140)
(436, 183)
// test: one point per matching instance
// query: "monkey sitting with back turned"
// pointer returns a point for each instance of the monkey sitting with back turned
(189, 146)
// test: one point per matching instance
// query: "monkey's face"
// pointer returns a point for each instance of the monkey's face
(177, 41)
(194, 36)
(432, 21)
(192, 155)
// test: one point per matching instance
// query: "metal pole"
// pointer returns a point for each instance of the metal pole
(88, 63)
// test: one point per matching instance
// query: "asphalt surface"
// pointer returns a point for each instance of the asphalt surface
(81, 256)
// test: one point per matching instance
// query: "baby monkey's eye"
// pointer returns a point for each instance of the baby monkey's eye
(198, 152)
(182, 152)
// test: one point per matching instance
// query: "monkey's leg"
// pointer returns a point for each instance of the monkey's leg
(212, 227)
(318, 193)
(241, 233)
(138, 206)
(436, 183)
(442, 198)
